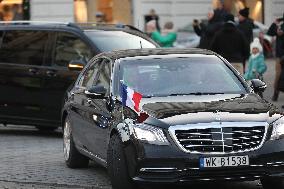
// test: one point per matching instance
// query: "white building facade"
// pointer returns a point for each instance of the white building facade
(273, 9)
(52, 10)
(181, 12)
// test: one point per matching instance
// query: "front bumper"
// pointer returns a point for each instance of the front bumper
(168, 164)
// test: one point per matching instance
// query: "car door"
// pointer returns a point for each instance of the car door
(98, 115)
(59, 78)
(22, 56)
(80, 107)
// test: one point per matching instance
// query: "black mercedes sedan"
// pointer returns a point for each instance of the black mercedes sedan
(172, 116)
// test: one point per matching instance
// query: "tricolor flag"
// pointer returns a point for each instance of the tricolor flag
(130, 98)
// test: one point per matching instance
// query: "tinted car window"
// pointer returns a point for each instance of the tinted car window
(90, 75)
(24, 47)
(1, 38)
(105, 75)
(174, 76)
(117, 40)
(70, 47)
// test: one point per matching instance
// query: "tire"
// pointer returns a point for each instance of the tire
(116, 165)
(277, 183)
(73, 158)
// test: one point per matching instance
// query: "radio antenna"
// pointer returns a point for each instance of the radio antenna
(140, 37)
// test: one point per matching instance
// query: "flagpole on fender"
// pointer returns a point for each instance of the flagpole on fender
(121, 88)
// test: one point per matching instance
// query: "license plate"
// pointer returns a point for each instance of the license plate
(230, 161)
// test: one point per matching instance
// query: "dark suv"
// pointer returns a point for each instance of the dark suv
(39, 61)
(172, 116)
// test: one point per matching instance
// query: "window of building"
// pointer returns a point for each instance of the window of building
(13, 10)
(233, 6)
(103, 11)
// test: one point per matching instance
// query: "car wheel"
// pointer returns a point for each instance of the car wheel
(116, 165)
(73, 158)
(267, 183)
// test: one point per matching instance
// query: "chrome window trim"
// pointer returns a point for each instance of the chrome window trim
(218, 125)
(94, 156)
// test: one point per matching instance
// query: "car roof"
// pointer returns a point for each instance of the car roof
(69, 26)
(114, 55)
(55, 25)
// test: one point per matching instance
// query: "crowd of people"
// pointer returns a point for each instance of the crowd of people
(277, 30)
(232, 40)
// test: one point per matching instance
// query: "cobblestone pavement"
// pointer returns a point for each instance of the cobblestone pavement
(28, 157)
(33, 159)
(269, 80)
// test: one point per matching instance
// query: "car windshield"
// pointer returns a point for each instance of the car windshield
(117, 40)
(198, 75)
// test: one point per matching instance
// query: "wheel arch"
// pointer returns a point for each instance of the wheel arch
(64, 115)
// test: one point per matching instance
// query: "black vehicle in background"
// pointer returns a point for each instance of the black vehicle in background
(172, 116)
(40, 60)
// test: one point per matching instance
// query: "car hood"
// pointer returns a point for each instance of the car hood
(191, 109)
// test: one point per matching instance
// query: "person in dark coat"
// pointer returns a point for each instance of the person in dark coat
(277, 29)
(220, 12)
(246, 24)
(153, 16)
(206, 32)
(231, 43)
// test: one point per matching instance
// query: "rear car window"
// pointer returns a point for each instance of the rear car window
(70, 47)
(117, 40)
(23, 47)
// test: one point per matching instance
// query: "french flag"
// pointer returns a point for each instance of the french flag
(130, 98)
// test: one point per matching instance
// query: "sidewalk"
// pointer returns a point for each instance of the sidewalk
(269, 80)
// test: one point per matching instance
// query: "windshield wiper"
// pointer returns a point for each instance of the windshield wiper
(196, 93)
(180, 94)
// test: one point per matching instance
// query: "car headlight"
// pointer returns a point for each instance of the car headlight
(150, 134)
(278, 130)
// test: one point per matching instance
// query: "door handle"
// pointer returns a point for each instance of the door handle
(33, 71)
(50, 73)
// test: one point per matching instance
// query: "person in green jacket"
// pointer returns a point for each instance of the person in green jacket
(256, 64)
(167, 37)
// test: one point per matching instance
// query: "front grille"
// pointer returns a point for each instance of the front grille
(220, 139)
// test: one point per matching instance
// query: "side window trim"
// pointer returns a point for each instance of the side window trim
(47, 59)
(53, 51)
(2, 37)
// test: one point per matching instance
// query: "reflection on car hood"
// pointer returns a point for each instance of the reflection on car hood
(180, 110)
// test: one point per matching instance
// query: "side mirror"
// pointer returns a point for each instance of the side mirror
(258, 85)
(76, 65)
(96, 91)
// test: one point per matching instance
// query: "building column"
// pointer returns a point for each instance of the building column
(52, 10)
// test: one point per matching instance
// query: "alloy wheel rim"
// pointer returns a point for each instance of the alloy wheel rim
(66, 140)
